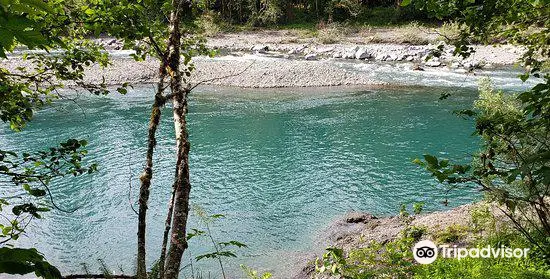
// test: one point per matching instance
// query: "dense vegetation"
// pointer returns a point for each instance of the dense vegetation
(512, 168)
(271, 12)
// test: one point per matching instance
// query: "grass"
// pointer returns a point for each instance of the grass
(531, 267)
(394, 259)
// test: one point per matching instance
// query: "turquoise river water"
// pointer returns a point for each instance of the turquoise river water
(279, 164)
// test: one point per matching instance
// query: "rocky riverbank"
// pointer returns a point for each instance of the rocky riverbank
(357, 229)
(249, 61)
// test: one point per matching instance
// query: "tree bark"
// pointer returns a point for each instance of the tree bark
(147, 174)
(182, 186)
(167, 227)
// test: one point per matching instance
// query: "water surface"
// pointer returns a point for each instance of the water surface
(279, 164)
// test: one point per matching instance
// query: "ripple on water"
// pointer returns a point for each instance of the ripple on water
(279, 164)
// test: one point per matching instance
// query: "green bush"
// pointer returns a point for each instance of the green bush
(451, 234)
(394, 259)
(481, 268)
(533, 266)
(449, 32)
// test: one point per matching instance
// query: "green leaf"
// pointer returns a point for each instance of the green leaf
(405, 3)
(39, 5)
(24, 261)
(122, 90)
(232, 243)
(216, 255)
(432, 160)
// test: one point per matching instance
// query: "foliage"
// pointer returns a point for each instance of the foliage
(513, 168)
(276, 12)
(530, 267)
(208, 24)
(450, 32)
(19, 23)
(521, 22)
(44, 26)
(253, 274)
(451, 234)
(417, 208)
(331, 33)
(413, 34)
(394, 258)
(222, 249)
(34, 173)
(377, 260)
(24, 261)
(340, 10)
(38, 24)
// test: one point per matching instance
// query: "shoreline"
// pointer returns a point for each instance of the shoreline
(354, 230)
(250, 64)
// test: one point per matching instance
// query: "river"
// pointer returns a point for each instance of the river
(280, 164)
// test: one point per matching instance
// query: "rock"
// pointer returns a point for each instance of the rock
(386, 57)
(326, 49)
(337, 54)
(358, 217)
(433, 63)
(409, 58)
(260, 48)
(455, 65)
(450, 50)
(417, 68)
(362, 53)
(350, 53)
(311, 56)
(112, 42)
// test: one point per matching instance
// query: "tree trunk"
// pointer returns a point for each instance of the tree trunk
(167, 227)
(147, 174)
(182, 186)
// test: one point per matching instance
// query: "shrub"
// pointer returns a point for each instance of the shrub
(331, 33)
(451, 234)
(208, 25)
(448, 268)
(449, 32)
(413, 33)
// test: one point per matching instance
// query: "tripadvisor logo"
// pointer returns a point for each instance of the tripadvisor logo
(425, 252)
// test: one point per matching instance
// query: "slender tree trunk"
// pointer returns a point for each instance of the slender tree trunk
(167, 227)
(182, 186)
(147, 174)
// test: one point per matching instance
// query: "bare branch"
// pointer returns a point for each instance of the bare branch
(223, 77)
